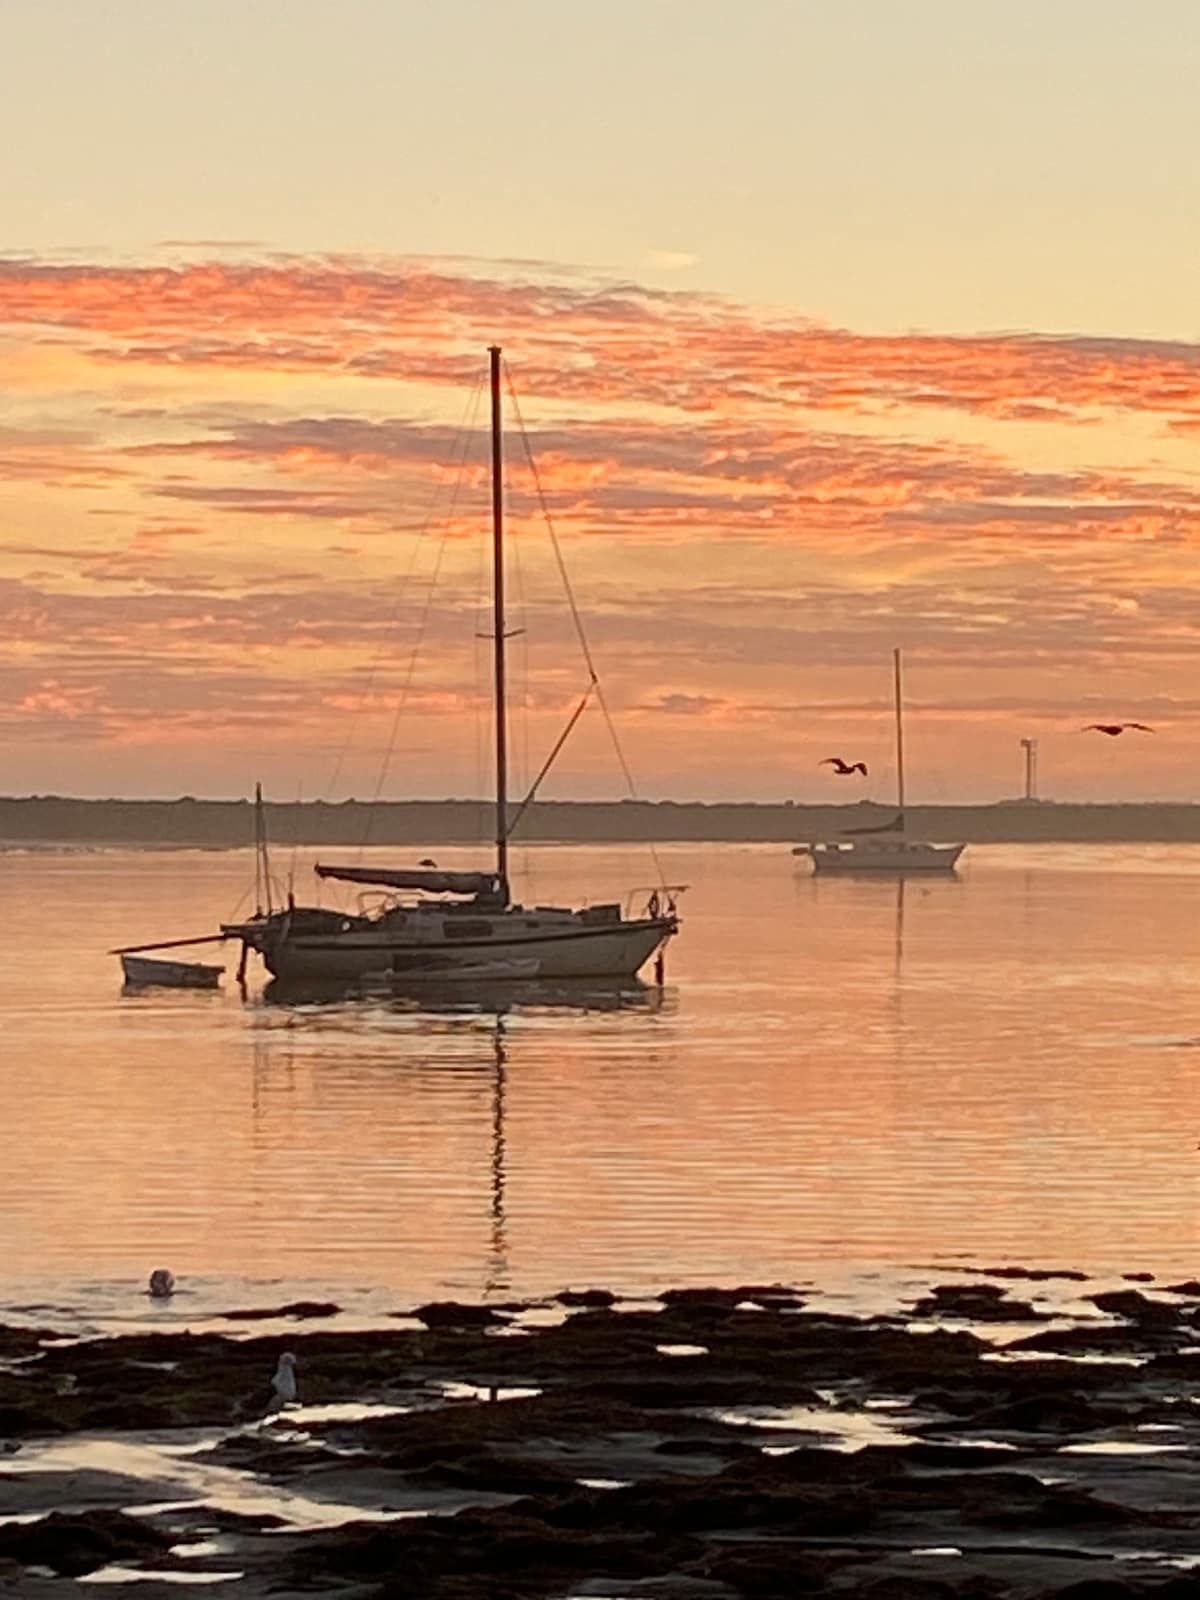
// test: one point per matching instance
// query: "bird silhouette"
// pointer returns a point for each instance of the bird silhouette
(1112, 729)
(843, 769)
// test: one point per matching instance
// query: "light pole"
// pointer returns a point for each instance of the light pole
(1030, 748)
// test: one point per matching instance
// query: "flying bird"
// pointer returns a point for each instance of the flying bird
(843, 769)
(162, 1284)
(1112, 729)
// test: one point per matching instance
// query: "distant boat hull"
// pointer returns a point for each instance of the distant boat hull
(892, 856)
(563, 948)
(142, 972)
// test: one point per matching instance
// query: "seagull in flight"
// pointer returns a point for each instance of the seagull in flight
(843, 769)
(1112, 729)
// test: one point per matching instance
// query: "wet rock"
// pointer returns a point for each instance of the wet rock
(747, 1495)
(296, 1308)
(1189, 1287)
(773, 1570)
(1032, 1274)
(450, 1314)
(500, 1473)
(1138, 1277)
(1113, 1589)
(1098, 1338)
(74, 1544)
(1013, 1500)
(485, 1550)
(975, 1302)
(1063, 1414)
(585, 1297)
(898, 1586)
(1135, 1307)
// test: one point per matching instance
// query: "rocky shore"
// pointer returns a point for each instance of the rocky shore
(981, 1443)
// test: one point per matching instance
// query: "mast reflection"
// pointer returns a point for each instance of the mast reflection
(454, 1005)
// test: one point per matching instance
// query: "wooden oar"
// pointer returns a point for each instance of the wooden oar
(167, 944)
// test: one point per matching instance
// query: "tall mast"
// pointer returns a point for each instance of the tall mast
(899, 736)
(498, 628)
(262, 861)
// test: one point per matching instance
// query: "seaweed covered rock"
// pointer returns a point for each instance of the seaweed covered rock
(73, 1544)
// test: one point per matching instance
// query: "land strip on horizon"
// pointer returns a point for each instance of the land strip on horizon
(228, 824)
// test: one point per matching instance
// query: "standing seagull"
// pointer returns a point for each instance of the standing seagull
(843, 769)
(1112, 729)
(283, 1391)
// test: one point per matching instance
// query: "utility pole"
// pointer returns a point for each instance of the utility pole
(1030, 748)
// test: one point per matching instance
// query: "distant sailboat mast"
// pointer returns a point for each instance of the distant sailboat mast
(262, 860)
(498, 629)
(899, 736)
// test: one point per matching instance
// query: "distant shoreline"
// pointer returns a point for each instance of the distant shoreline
(227, 824)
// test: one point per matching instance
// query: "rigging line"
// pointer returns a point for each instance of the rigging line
(551, 758)
(418, 641)
(520, 660)
(296, 840)
(461, 445)
(481, 690)
(578, 620)
(558, 555)
(633, 790)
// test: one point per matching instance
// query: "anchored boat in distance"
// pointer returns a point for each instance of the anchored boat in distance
(461, 925)
(885, 848)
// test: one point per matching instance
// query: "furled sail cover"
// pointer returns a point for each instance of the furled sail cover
(415, 878)
(896, 825)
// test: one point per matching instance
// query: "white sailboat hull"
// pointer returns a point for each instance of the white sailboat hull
(892, 856)
(617, 950)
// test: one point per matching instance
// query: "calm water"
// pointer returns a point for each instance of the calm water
(841, 1077)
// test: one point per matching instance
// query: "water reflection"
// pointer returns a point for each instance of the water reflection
(478, 1015)
(848, 1072)
(476, 998)
(498, 1269)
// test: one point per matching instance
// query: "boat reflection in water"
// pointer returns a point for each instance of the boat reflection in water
(443, 996)
(487, 1012)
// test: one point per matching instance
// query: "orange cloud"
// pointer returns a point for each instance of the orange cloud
(240, 491)
(589, 342)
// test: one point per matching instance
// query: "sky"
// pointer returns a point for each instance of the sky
(832, 329)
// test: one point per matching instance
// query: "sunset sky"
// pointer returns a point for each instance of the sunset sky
(834, 327)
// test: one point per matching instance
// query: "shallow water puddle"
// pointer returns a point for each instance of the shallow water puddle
(483, 1391)
(851, 1430)
(1118, 1447)
(339, 1411)
(118, 1574)
(197, 1482)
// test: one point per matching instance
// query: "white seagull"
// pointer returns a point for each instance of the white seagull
(283, 1390)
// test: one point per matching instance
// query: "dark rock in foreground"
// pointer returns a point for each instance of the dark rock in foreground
(724, 1442)
(74, 1545)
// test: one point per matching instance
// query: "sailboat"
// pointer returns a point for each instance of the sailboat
(886, 847)
(464, 926)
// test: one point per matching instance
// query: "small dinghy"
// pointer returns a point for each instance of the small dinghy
(143, 972)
